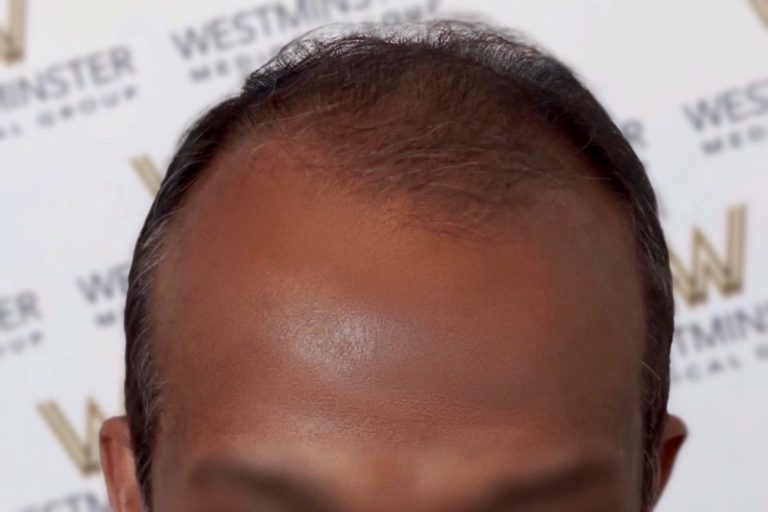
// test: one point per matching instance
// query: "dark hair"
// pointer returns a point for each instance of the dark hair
(460, 92)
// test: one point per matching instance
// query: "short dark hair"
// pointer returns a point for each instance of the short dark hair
(475, 93)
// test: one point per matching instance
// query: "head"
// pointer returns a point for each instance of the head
(407, 268)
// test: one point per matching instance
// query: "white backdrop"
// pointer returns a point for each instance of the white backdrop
(94, 95)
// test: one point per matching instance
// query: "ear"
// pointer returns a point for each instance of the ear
(117, 463)
(672, 438)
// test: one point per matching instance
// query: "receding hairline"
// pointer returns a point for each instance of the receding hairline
(449, 202)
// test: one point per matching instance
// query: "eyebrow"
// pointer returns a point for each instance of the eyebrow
(300, 495)
(540, 487)
(294, 493)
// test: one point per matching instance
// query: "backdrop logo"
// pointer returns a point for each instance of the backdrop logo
(84, 452)
(21, 323)
(60, 92)
(12, 35)
(148, 172)
(233, 44)
(104, 291)
(725, 271)
(761, 6)
(733, 118)
(82, 501)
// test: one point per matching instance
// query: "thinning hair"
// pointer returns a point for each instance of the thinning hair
(456, 111)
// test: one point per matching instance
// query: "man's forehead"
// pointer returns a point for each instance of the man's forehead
(274, 287)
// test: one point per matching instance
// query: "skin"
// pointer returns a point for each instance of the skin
(318, 354)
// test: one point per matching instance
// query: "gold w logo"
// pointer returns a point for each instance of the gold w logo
(83, 452)
(12, 37)
(148, 172)
(726, 273)
(761, 6)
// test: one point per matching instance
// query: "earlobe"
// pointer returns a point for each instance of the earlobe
(672, 438)
(117, 463)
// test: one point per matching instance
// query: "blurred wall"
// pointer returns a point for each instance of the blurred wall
(94, 95)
